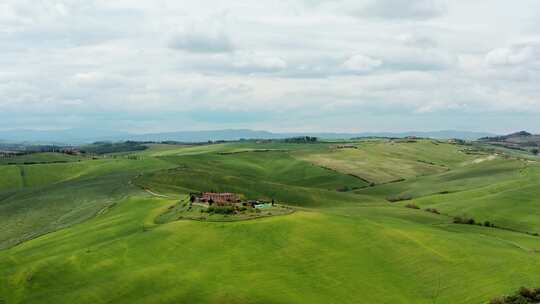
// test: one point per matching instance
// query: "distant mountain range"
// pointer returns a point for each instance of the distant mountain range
(82, 136)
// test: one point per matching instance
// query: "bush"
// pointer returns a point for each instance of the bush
(523, 296)
(399, 198)
(221, 209)
(433, 210)
(464, 220)
(412, 206)
(344, 189)
(488, 224)
(497, 301)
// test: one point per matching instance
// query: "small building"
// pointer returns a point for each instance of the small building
(264, 206)
(219, 198)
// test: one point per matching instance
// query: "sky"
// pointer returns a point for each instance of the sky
(288, 65)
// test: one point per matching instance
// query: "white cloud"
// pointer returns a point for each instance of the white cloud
(414, 40)
(514, 55)
(419, 57)
(404, 9)
(252, 61)
(361, 63)
(202, 39)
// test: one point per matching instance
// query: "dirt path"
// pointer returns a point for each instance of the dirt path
(155, 194)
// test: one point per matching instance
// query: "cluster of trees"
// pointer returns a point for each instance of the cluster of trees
(29, 149)
(10, 154)
(522, 296)
(535, 151)
(301, 139)
(470, 221)
(109, 147)
(230, 209)
(221, 209)
(399, 198)
(414, 206)
(39, 149)
(347, 189)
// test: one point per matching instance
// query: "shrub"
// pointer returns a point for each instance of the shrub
(523, 296)
(433, 210)
(497, 301)
(221, 209)
(344, 189)
(412, 206)
(399, 198)
(527, 293)
(458, 220)
(464, 220)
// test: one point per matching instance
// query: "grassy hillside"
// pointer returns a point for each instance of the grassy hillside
(36, 199)
(502, 191)
(87, 232)
(10, 177)
(48, 157)
(256, 174)
(384, 161)
(369, 254)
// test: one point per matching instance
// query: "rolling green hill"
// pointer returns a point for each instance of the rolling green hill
(48, 157)
(383, 161)
(85, 232)
(36, 199)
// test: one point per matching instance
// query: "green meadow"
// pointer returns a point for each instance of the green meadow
(88, 231)
(46, 157)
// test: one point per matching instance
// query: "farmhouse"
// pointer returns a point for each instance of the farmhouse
(226, 199)
(218, 198)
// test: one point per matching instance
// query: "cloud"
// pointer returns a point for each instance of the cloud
(140, 63)
(57, 23)
(524, 53)
(404, 9)
(419, 41)
(194, 41)
(232, 63)
(361, 63)
(419, 60)
(258, 63)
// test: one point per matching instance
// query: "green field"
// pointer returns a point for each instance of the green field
(89, 231)
(46, 157)
(384, 161)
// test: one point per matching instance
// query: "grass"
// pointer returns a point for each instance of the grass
(502, 191)
(369, 254)
(386, 161)
(268, 175)
(37, 199)
(10, 177)
(87, 234)
(47, 157)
